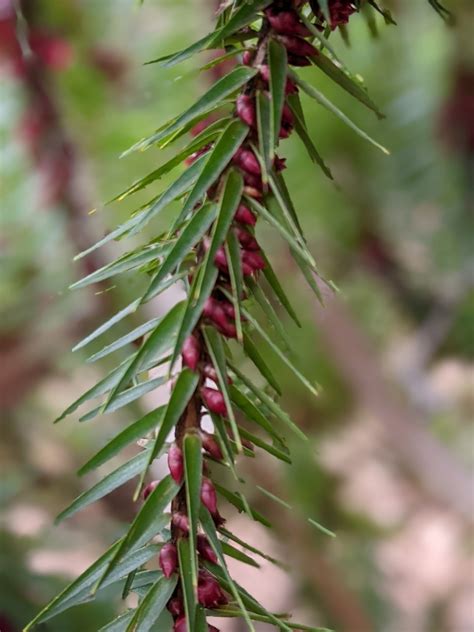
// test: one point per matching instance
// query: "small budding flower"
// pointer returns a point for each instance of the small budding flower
(245, 216)
(168, 559)
(247, 240)
(298, 46)
(180, 625)
(245, 108)
(253, 259)
(191, 352)
(205, 549)
(175, 606)
(247, 161)
(286, 22)
(210, 594)
(214, 401)
(210, 445)
(180, 521)
(209, 495)
(175, 463)
(149, 489)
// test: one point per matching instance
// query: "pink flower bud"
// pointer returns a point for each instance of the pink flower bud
(211, 446)
(245, 216)
(287, 117)
(175, 606)
(248, 241)
(247, 57)
(168, 559)
(180, 521)
(298, 46)
(191, 352)
(205, 549)
(245, 108)
(175, 463)
(214, 401)
(253, 259)
(149, 489)
(180, 625)
(220, 260)
(287, 22)
(212, 628)
(209, 495)
(214, 311)
(247, 161)
(210, 594)
(252, 180)
(218, 519)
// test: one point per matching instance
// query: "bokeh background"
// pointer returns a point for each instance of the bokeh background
(391, 451)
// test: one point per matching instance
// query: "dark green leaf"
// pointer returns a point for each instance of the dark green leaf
(147, 523)
(278, 66)
(159, 341)
(189, 237)
(237, 500)
(211, 533)
(223, 88)
(252, 412)
(226, 533)
(265, 152)
(217, 355)
(116, 318)
(243, 16)
(175, 58)
(192, 453)
(326, 103)
(119, 624)
(127, 397)
(220, 156)
(346, 82)
(189, 591)
(115, 479)
(302, 132)
(256, 357)
(236, 279)
(152, 605)
(279, 292)
(231, 551)
(131, 433)
(205, 280)
(269, 312)
(181, 394)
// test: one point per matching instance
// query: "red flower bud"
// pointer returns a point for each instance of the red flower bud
(252, 180)
(175, 606)
(191, 352)
(247, 161)
(149, 489)
(168, 559)
(209, 495)
(212, 628)
(247, 57)
(287, 117)
(290, 86)
(253, 259)
(245, 216)
(218, 519)
(221, 260)
(205, 549)
(298, 46)
(175, 462)
(246, 110)
(180, 625)
(180, 521)
(214, 311)
(210, 594)
(248, 241)
(214, 401)
(287, 22)
(210, 444)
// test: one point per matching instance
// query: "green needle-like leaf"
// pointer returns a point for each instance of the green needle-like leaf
(277, 66)
(152, 605)
(187, 586)
(192, 454)
(217, 355)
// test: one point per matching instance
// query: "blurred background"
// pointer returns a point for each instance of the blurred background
(389, 464)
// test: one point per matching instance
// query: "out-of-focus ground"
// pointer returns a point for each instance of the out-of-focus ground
(389, 464)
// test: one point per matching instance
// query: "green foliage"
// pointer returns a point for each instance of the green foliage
(213, 253)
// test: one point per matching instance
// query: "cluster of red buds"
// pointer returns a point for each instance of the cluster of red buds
(282, 23)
